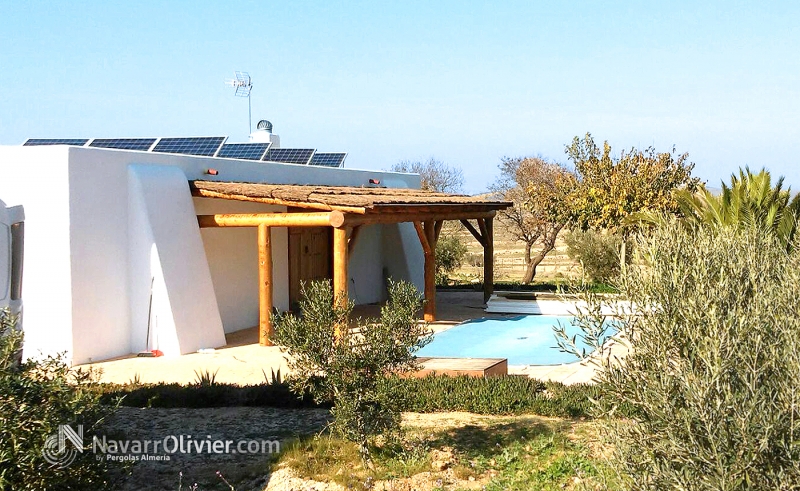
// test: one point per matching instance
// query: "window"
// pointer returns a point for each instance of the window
(17, 252)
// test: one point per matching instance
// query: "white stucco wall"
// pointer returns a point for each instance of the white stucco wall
(232, 254)
(403, 256)
(183, 314)
(39, 181)
(103, 225)
(366, 278)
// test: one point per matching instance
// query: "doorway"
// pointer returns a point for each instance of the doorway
(310, 258)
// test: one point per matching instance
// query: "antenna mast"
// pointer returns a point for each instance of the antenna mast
(243, 85)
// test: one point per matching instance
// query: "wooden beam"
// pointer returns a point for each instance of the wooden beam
(474, 232)
(430, 233)
(427, 237)
(423, 239)
(265, 329)
(318, 219)
(351, 220)
(488, 259)
(351, 240)
(482, 227)
(437, 229)
(205, 193)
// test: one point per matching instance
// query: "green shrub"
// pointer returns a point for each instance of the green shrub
(714, 373)
(35, 398)
(450, 254)
(496, 395)
(350, 365)
(598, 253)
(434, 393)
(203, 396)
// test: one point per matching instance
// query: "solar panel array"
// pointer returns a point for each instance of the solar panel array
(332, 159)
(246, 151)
(32, 142)
(143, 144)
(290, 155)
(206, 145)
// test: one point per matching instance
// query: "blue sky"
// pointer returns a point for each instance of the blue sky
(464, 82)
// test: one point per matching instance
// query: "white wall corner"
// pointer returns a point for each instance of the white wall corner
(168, 262)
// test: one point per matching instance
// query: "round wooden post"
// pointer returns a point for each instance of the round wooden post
(427, 238)
(430, 272)
(264, 286)
(488, 260)
(339, 272)
(340, 264)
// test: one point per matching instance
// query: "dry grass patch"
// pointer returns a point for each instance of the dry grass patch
(456, 451)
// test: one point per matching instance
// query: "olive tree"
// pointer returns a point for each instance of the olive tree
(352, 366)
(711, 381)
(36, 396)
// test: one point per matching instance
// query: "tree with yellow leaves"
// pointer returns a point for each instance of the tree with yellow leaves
(610, 189)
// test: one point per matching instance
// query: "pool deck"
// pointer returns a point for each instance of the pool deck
(243, 361)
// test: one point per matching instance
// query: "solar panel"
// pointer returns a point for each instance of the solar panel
(206, 145)
(124, 143)
(333, 159)
(246, 151)
(290, 155)
(78, 142)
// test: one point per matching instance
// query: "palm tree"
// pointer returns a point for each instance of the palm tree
(750, 200)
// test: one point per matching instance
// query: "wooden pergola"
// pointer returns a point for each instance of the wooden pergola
(346, 209)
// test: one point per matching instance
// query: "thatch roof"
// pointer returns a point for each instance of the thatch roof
(344, 198)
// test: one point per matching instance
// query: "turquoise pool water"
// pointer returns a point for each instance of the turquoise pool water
(524, 340)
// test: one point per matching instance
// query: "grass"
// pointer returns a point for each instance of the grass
(500, 395)
(480, 452)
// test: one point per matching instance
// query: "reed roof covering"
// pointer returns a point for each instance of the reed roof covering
(351, 199)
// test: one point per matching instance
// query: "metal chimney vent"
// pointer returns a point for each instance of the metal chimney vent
(264, 125)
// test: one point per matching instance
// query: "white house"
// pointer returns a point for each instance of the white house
(116, 263)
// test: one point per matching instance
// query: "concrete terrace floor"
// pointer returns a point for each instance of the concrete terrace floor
(243, 361)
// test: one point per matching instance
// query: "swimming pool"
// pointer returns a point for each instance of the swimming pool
(524, 340)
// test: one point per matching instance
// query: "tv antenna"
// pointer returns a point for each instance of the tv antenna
(243, 85)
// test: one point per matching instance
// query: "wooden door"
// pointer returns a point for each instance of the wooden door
(309, 258)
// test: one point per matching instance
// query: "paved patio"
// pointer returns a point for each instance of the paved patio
(243, 361)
